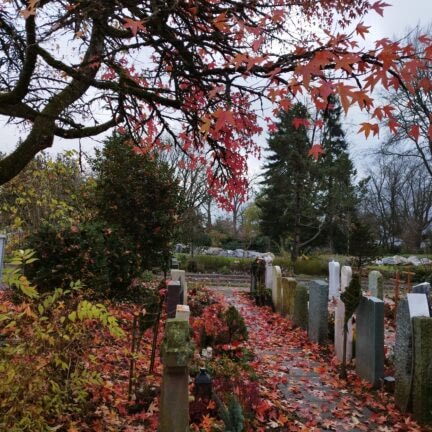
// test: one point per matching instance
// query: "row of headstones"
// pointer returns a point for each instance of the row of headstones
(309, 309)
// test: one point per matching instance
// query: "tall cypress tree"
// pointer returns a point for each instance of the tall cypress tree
(289, 196)
(336, 171)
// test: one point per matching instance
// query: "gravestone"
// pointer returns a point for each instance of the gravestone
(301, 299)
(424, 288)
(182, 312)
(418, 305)
(288, 293)
(268, 272)
(403, 356)
(339, 332)
(370, 340)
(376, 284)
(180, 275)
(318, 311)
(174, 297)
(422, 380)
(176, 353)
(277, 288)
(334, 279)
(346, 276)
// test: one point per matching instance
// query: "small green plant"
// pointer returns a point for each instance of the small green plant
(237, 330)
(45, 371)
(232, 415)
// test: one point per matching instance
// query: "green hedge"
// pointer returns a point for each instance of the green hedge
(226, 265)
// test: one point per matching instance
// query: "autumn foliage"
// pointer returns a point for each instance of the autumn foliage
(204, 69)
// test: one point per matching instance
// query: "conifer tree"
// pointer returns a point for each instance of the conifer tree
(289, 199)
(336, 171)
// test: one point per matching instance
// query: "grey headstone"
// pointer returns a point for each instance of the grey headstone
(301, 299)
(174, 297)
(418, 305)
(318, 311)
(376, 284)
(370, 340)
(422, 380)
(403, 356)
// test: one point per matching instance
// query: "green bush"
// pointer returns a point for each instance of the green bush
(215, 264)
(311, 266)
(98, 256)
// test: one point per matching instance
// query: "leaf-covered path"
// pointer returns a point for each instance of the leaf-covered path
(301, 389)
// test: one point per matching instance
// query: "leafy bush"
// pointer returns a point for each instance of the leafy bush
(100, 257)
(44, 370)
(216, 264)
(137, 194)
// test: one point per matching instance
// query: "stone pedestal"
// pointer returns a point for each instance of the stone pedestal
(318, 311)
(339, 332)
(288, 293)
(375, 284)
(334, 279)
(177, 351)
(370, 340)
(422, 382)
(174, 297)
(277, 288)
(180, 275)
(268, 272)
(301, 299)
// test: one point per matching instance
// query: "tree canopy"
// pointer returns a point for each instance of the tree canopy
(189, 70)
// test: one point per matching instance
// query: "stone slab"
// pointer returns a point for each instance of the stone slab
(318, 311)
(375, 284)
(403, 356)
(174, 297)
(339, 332)
(370, 340)
(346, 276)
(180, 275)
(301, 313)
(276, 288)
(418, 305)
(288, 294)
(422, 380)
(334, 279)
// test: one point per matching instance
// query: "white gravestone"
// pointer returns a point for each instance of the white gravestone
(334, 279)
(346, 275)
(418, 305)
(182, 312)
(268, 272)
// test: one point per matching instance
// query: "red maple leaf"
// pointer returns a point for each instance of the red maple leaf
(133, 25)
(315, 151)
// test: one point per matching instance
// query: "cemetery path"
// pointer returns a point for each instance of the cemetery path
(302, 379)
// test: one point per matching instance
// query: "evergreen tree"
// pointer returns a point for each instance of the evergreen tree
(289, 196)
(336, 171)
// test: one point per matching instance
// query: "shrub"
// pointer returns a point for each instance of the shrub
(98, 256)
(45, 374)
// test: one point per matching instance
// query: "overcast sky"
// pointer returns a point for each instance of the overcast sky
(402, 14)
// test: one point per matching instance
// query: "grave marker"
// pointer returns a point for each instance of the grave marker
(422, 380)
(180, 275)
(418, 305)
(370, 340)
(346, 276)
(376, 284)
(277, 288)
(288, 293)
(174, 297)
(334, 279)
(318, 311)
(301, 299)
(176, 352)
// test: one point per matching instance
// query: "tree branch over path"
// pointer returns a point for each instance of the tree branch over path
(189, 70)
